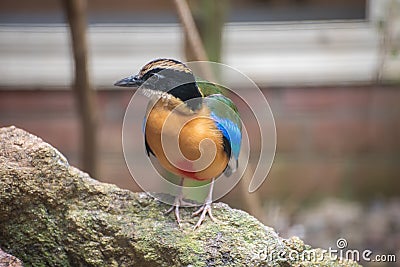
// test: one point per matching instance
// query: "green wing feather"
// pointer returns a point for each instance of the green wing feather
(208, 88)
(218, 92)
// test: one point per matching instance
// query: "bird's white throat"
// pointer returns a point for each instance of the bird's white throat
(169, 100)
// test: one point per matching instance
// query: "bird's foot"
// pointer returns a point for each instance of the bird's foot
(206, 208)
(178, 202)
(177, 216)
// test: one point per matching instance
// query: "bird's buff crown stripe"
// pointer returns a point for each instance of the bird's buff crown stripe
(164, 64)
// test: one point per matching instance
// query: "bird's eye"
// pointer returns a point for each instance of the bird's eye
(153, 77)
(156, 77)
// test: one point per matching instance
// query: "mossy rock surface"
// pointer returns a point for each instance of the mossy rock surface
(52, 214)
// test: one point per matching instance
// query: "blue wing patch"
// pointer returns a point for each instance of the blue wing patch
(231, 132)
(226, 117)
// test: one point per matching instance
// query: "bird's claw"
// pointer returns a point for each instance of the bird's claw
(177, 204)
(203, 210)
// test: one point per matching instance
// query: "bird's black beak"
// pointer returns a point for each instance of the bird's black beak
(131, 81)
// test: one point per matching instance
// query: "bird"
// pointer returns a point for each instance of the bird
(196, 110)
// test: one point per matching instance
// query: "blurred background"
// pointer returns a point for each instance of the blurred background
(330, 71)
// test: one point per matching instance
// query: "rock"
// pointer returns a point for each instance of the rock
(52, 214)
(9, 260)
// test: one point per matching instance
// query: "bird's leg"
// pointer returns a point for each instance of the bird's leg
(206, 208)
(177, 203)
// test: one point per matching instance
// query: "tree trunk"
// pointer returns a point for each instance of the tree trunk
(85, 96)
(209, 17)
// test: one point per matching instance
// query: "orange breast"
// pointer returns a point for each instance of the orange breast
(187, 145)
